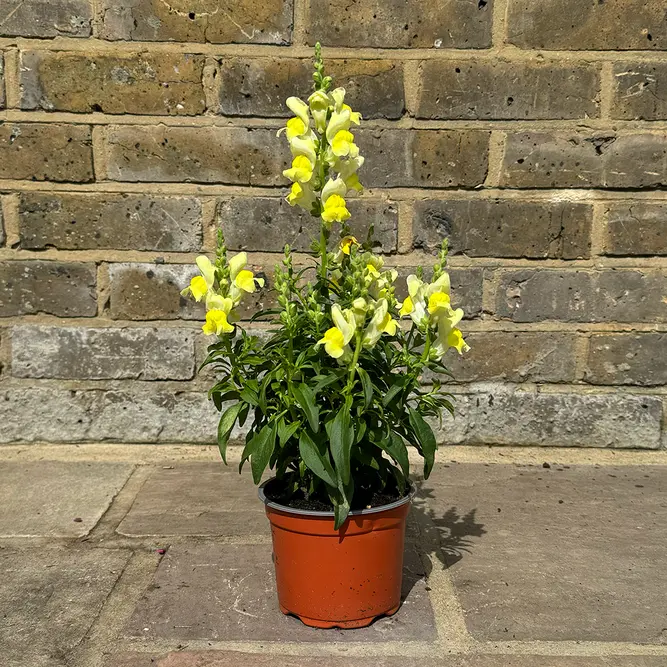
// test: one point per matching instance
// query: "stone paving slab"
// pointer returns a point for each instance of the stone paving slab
(56, 499)
(229, 659)
(227, 593)
(196, 499)
(49, 599)
(559, 553)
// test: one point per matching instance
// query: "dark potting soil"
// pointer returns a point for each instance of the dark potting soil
(363, 499)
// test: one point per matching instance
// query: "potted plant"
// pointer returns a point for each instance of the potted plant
(334, 397)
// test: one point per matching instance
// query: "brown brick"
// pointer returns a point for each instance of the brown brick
(626, 295)
(573, 24)
(159, 84)
(98, 354)
(499, 89)
(39, 152)
(3, 236)
(2, 83)
(504, 228)
(241, 21)
(466, 286)
(55, 288)
(232, 155)
(423, 158)
(260, 86)
(515, 356)
(584, 160)
(635, 228)
(640, 91)
(45, 18)
(401, 23)
(268, 223)
(122, 222)
(627, 358)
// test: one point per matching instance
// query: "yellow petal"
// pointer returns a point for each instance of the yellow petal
(334, 343)
(388, 325)
(245, 280)
(207, 269)
(237, 263)
(198, 288)
(335, 210)
(216, 323)
(295, 128)
(301, 171)
(347, 243)
(439, 301)
(407, 307)
(343, 144)
(455, 340)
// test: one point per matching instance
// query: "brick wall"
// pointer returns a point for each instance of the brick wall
(533, 134)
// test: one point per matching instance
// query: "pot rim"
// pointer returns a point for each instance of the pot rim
(329, 514)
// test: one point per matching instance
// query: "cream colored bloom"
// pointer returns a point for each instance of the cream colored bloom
(336, 339)
(216, 323)
(381, 322)
(319, 103)
(301, 170)
(200, 286)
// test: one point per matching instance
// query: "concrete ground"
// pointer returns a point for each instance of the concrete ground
(161, 557)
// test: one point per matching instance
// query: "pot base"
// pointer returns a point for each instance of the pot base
(345, 625)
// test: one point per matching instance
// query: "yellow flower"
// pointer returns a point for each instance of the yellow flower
(336, 338)
(200, 285)
(197, 288)
(301, 195)
(300, 109)
(304, 146)
(438, 302)
(352, 183)
(335, 210)
(319, 106)
(340, 120)
(243, 280)
(295, 127)
(346, 244)
(381, 322)
(406, 307)
(343, 144)
(455, 340)
(372, 271)
(216, 323)
(301, 171)
(355, 116)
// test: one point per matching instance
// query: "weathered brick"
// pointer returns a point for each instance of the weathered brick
(99, 415)
(40, 152)
(572, 24)
(2, 82)
(45, 18)
(466, 287)
(268, 223)
(423, 158)
(626, 295)
(627, 358)
(152, 292)
(3, 236)
(242, 21)
(515, 356)
(402, 23)
(56, 288)
(640, 91)
(260, 86)
(100, 354)
(584, 160)
(500, 89)
(506, 415)
(635, 228)
(232, 155)
(123, 222)
(138, 83)
(504, 228)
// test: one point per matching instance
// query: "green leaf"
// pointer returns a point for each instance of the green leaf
(367, 386)
(341, 434)
(261, 448)
(342, 503)
(306, 398)
(391, 394)
(396, 448)
(225, 426)
(316, 461)
(424, 435)
(285, 432)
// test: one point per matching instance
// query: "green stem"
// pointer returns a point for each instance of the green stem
(427, 346)
(355, 360)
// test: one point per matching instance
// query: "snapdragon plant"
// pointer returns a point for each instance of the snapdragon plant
(334, 396)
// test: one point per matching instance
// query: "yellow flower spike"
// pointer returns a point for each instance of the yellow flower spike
(301, 171)
(300, 109)
(335, 210)
(406, 307)
(216, 323)
(343, 144)
(346, 244)
(198, 288)
(438, 302)
(334, 343)
(245, 280)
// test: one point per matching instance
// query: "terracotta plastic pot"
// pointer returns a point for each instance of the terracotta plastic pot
(342, 578)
